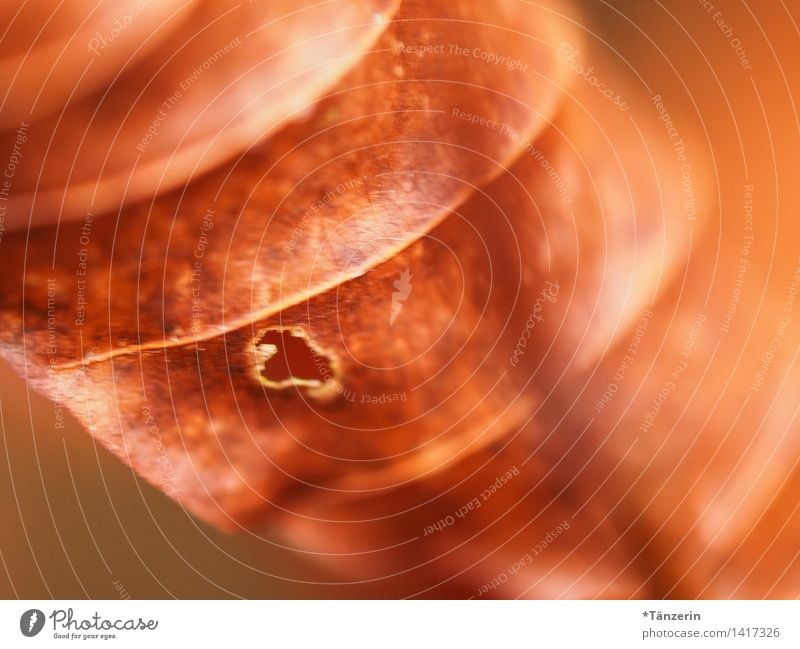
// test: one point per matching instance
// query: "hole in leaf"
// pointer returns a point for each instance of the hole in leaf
(288, 358)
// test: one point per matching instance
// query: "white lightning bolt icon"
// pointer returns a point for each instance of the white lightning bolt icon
(32, 620)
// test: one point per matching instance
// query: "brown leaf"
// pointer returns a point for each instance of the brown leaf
(384, 159)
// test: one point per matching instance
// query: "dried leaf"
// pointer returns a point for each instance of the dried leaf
(137, 305)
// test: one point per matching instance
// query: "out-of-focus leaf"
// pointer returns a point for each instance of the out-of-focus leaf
(233, 73)
(55, 52)
(510, 523)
